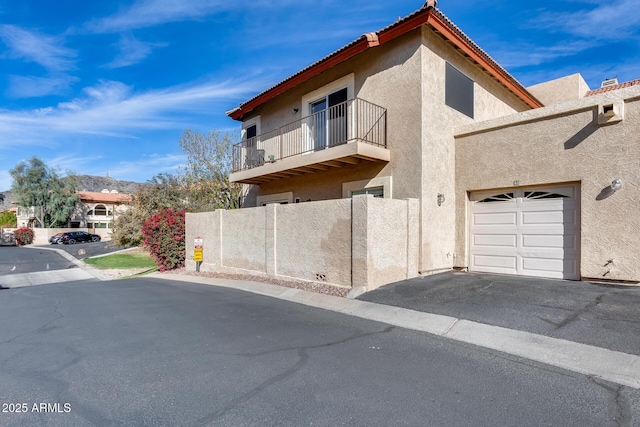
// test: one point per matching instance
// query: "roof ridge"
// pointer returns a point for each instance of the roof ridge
(613, 87)
(430, 7)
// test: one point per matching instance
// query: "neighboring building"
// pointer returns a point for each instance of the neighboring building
(418, 111)
(94, 210)
(98, 210)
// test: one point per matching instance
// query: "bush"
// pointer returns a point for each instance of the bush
(24, 236)
(164, 238)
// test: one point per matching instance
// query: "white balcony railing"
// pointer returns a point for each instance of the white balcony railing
(352, 120)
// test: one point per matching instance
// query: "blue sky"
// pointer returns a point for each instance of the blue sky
(109, 87)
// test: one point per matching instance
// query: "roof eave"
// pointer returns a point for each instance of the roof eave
(427, 15)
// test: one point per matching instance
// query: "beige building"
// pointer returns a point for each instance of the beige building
(94, 212)
(478, 171)
(98, 210)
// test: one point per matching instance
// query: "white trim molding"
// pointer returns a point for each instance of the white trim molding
(382, 181)
(275, 198)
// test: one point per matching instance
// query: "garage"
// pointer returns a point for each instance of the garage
(526, 231)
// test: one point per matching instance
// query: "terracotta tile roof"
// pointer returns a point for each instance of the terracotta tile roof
(614, 87)
(426, 15)
(95, 197)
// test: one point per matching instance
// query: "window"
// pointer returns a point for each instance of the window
(329, 119)
(458, 91)
(250, 131)
(326, 112)
(542, 195)
(375, 191)
(505, 197)
(100, 210)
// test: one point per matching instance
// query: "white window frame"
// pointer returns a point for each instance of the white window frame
(383, 181)
(348, 82)
(275, 198)
(245, 125)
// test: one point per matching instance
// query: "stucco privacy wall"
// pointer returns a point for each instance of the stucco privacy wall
(362, 241)
(313, 240)
(564, 143)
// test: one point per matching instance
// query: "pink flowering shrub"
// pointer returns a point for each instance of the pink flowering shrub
(24, 236)
(163, 235)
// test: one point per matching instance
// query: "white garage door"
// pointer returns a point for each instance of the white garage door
(526, 231)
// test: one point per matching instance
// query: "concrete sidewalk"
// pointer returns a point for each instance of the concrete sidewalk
(614, 366)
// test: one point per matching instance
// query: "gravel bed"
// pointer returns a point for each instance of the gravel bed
(306, 286)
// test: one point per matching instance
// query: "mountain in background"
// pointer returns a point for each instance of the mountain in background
(86, 183)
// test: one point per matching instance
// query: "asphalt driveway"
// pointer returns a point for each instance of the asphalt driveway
(595, 314)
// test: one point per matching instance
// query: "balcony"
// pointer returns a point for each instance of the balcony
(342, 135)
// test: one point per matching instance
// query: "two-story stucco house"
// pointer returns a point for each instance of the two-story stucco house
(496, 177)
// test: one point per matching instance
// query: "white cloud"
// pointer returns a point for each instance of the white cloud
(132, 51)
(138, 170)
(147, 13)
(42, 49)
(611, 20)
(115, 109)
(32, 86)
(529, 54)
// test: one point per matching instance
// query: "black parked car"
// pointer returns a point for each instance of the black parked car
(55, 239)
(73, 237)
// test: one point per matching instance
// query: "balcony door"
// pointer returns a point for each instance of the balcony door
(329, 120)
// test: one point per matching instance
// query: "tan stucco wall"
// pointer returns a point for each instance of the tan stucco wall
(560, 144)
(389, 76)
(406, 76)
(364, 241)
(314, 239)
(243, 239)
(438, 122)
(560, 90)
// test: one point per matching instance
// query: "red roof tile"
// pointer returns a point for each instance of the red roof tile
(614, 87)
(95, 197)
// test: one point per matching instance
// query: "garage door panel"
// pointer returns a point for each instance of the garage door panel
(495, 218)
(502, 240)
(558, 268)
(536, 232)
(560, 241)
(549, 217)
(504, 263)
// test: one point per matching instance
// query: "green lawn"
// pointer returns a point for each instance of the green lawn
(122, 261)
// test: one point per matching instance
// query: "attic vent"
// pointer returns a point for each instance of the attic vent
(610, 82)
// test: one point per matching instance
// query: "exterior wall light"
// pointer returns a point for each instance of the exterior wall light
(616, 184)
(440, 199)
(294, 111)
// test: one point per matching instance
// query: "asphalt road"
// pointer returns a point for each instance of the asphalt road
(150, 352)
(18, 260)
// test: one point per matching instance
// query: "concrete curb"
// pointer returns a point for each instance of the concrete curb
(85, 267)
(614, 366)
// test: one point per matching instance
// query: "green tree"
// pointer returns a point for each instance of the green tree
(206, 172)
(202, 185)
(37, 186)
(8, 219)
(162, 192)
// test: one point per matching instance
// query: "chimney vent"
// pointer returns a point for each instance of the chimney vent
(610, 82)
